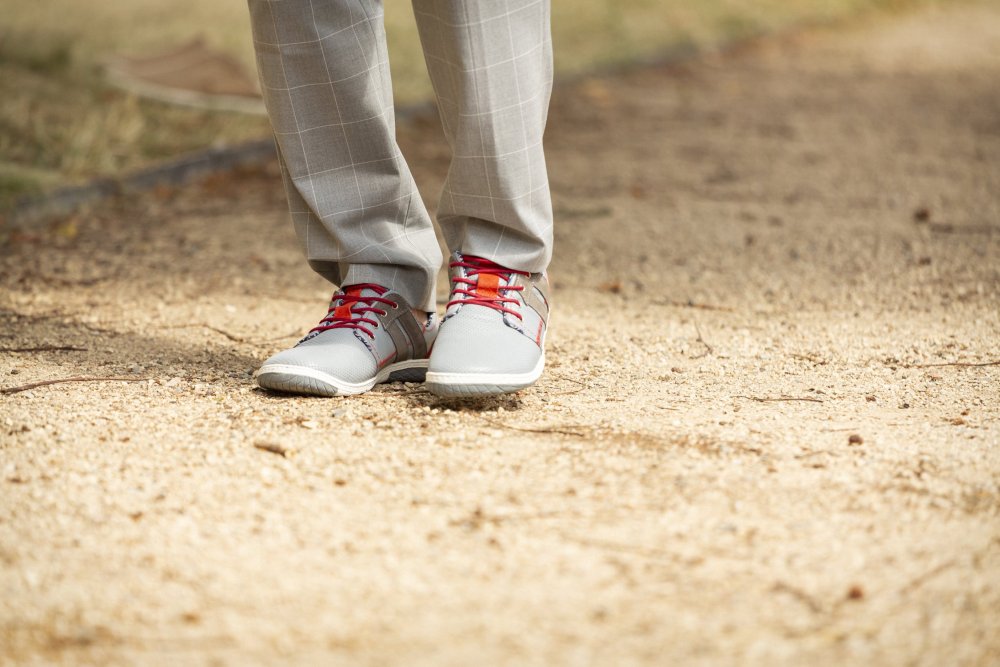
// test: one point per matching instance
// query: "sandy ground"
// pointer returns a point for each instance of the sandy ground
(769, 432)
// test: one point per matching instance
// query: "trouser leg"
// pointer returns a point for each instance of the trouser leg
(490, 62)
(324, 73)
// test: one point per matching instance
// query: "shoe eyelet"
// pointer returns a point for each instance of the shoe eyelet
(395, 306)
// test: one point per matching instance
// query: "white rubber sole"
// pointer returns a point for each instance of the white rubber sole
(302, 380)
(482, 384)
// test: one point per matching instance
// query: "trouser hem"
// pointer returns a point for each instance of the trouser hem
(416, 284)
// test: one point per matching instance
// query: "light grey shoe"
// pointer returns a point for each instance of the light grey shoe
(492, 338)
(368, 336)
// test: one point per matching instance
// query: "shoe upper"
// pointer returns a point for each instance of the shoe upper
(495, 321)
(366, 328)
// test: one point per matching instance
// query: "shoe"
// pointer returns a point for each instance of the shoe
(492, 337)
(368, 336)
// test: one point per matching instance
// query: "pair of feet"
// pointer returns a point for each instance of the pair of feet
(491, 340)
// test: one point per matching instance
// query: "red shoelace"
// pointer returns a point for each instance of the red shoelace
(485, 289)
(350, 314)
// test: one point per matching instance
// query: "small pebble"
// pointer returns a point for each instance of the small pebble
(855, 439)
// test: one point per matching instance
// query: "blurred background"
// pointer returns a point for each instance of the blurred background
(100, 87)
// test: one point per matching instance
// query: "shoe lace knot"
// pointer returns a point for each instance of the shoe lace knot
(481, 284)
(349, 309)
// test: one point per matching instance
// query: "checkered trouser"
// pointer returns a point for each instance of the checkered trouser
(356, 210)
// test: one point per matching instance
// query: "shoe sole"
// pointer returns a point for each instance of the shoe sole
(311, 382)
(456, 385)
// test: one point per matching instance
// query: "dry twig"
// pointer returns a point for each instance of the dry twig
(197, 325)
(582, 386)
(78, 378)
(45, 348)
(693, 304)
(557, 430)
(651, 553)
(819, 361)
(231, 336)
(808, 455)
(798, 594)
(957, 364)
(66, 282)
(774, 399)
(708, 348)
(273, 448)
(948, 228)
(920, 580)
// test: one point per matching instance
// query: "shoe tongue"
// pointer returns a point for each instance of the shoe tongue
(488, 286)
(344, 309)
(484, 263)
(362, 291)
(358, 290)
(494, 273)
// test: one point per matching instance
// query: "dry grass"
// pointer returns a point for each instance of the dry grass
(59, 122)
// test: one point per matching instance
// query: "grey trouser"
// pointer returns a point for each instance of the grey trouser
(325, 75)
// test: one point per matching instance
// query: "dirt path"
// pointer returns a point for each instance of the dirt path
(759, 257)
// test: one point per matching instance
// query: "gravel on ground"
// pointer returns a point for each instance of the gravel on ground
(769, 432)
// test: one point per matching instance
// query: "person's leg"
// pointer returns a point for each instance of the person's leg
(491, 65)
(324, 73)
(325, 78)
(490, 62)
